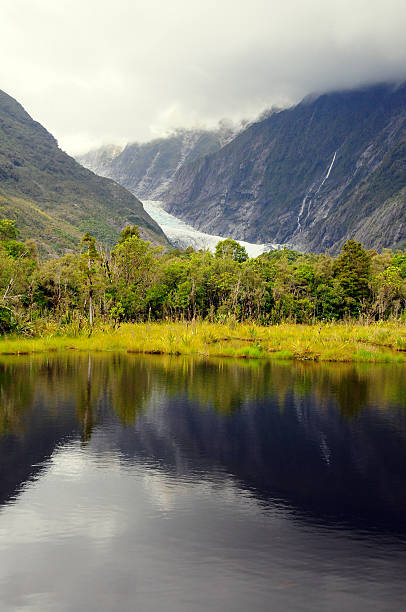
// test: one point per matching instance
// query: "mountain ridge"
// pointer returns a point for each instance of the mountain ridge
(147, 169)
(51, 197)
(314, 175)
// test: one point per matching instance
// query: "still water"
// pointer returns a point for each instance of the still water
(133, 483)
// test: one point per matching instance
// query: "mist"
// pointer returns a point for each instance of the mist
(99, 72)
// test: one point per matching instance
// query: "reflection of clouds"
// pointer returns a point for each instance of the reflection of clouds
(163, 493)
(70, 462)
(82, 507)
(105, 528)
(99, 495)
(168, 494)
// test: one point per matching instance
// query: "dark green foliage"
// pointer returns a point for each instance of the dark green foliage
(231, 248)
(129, 232)
(89, 246)
(399, 261)
(351, 269)
(7, 321)
(141, 282)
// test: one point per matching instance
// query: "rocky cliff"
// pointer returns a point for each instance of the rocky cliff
(314, 175)
(147, 169)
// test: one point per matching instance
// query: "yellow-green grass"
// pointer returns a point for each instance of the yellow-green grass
(342, 342)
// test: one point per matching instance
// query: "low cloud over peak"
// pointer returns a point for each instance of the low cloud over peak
(99, 71)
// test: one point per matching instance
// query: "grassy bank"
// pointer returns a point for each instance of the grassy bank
(330, 342)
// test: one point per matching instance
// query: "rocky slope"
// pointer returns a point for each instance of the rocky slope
(99, 160)
(53, 198)
(314, 175)
(147, 169)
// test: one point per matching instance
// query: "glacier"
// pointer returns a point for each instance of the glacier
(182, 235)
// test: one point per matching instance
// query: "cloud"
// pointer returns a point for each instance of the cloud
(99, 71)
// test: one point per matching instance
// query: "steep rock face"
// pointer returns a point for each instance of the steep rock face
(53, 198)
(147, 169)
(99, 160)
(330, 168)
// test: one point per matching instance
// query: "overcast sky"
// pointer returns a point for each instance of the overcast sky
(98, 71)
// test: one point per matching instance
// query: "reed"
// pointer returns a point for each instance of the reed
(339, 342)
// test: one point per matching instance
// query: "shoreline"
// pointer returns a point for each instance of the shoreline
(331, 342)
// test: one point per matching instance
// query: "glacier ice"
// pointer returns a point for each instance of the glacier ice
(182, 235)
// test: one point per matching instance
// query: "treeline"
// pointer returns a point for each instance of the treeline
(137, 281)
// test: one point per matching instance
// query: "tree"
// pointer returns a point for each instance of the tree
(8, 230)
(128, 232)
(134, 265)
(91, 256)
(58, 285)
(352, 269)
(232, 249)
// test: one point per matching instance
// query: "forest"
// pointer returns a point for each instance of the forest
(138, 282)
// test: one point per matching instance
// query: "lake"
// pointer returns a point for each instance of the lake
(167, 483)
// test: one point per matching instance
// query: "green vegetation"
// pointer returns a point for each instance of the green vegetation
(345, 342)
(342, 343)
(51, 197)
(282, 304)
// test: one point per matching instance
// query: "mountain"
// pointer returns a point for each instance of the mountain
(147, 169)
(328, 169)
(53, 198)
(99, 160)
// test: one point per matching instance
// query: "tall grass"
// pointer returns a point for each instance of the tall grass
(343, 342)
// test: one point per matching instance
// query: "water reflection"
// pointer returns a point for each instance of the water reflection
(129, 380)
(325, 438)
(280, 476)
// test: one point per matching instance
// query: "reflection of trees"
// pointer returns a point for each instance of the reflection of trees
(16, 397)
(86, 381)
(246, 418)
(85, 401)
(226, 385)
(128, 383)
(131, 387)
(353, 387)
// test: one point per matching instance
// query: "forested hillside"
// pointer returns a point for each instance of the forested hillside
(51, 197)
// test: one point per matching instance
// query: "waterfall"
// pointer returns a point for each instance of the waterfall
(309, 199)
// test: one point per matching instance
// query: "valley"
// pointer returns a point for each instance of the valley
(202, 306)
(314, 175)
